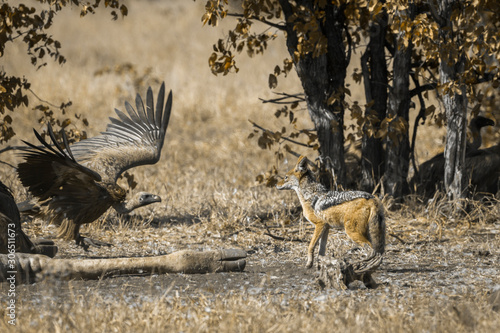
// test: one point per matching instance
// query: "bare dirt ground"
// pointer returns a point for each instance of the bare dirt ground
(449, 273)
(452, 266)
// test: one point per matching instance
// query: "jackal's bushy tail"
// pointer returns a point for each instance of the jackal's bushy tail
(376, 227)
(368, 265)
(376, 233)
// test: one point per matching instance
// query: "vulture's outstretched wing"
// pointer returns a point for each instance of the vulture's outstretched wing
(133, 140)
(54, 176)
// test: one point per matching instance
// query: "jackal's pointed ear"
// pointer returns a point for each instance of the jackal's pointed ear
(301, 164)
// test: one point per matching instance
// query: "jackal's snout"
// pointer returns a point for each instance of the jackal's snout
(281, 185)
(288, 182)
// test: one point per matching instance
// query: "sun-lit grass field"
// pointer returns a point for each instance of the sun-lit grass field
(439, 275)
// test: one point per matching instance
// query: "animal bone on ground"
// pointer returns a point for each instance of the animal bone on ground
(35, 267)
(341, 274)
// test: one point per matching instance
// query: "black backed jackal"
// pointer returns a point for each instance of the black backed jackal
(359, 213)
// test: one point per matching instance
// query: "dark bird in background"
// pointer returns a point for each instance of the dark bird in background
(76, 185)
(475, 126)
(483, 168)
(12, 237)
(430, 177)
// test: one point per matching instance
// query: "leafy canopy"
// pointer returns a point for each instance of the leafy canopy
(30, 25)
(475, 27)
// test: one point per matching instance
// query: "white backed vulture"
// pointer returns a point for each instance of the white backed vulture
(475, 126)
(77, 185)
(431, 174)
(12, 237)
(483, 168)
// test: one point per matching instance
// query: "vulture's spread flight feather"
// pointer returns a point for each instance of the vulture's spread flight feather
(129, 141)
(77, 184)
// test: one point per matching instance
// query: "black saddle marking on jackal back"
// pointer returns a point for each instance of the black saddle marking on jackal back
(335, 198)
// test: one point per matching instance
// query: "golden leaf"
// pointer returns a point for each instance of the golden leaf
(273, 81)
(212, 59)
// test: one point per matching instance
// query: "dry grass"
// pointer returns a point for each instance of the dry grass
(206, 178)
(265, 313)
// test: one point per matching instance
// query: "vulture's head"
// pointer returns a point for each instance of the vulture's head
(481, 121)
(141, 199)
(144, 199)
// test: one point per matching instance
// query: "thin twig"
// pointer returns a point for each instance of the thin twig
(13, 148)
(274, 25)
(298, 98)
(13, 167)
(420, 116)
(268, 233)
(282, 137)
(300, 240)
(43, 101)
(422, 88)
(399, 239)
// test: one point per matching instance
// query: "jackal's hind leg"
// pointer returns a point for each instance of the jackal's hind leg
(323, 240)
(358, 238)
(364, 248)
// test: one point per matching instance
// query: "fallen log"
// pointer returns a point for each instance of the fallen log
(23, 267)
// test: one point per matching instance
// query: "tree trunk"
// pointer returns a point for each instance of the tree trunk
(397, 156)
(375, 80)
(455, 104)
(454, 152)
(322, 76)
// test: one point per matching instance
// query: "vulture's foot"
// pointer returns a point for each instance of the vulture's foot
(46, 247)
(86, 242)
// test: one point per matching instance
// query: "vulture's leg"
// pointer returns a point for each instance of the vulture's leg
(85, 242)
(70, 230)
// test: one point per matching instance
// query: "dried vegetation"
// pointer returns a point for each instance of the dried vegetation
(440, 273)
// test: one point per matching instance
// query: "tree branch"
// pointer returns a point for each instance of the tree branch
(43, 101)
(349, 43)
(434, 13)
(13, 167)
(281, 100)
(14, 148)
(283, 137)
(291, 239)
(271, 24)
(268, 233)
(420, 89)
(366, 76)
(421, 115)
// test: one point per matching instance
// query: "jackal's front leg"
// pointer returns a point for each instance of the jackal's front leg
(320, 230)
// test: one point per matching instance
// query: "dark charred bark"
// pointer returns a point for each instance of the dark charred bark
(455, 104)
(375, 80)
(397, 157)
(322, 77)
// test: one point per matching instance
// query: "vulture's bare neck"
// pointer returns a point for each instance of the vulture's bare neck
(139, 200)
